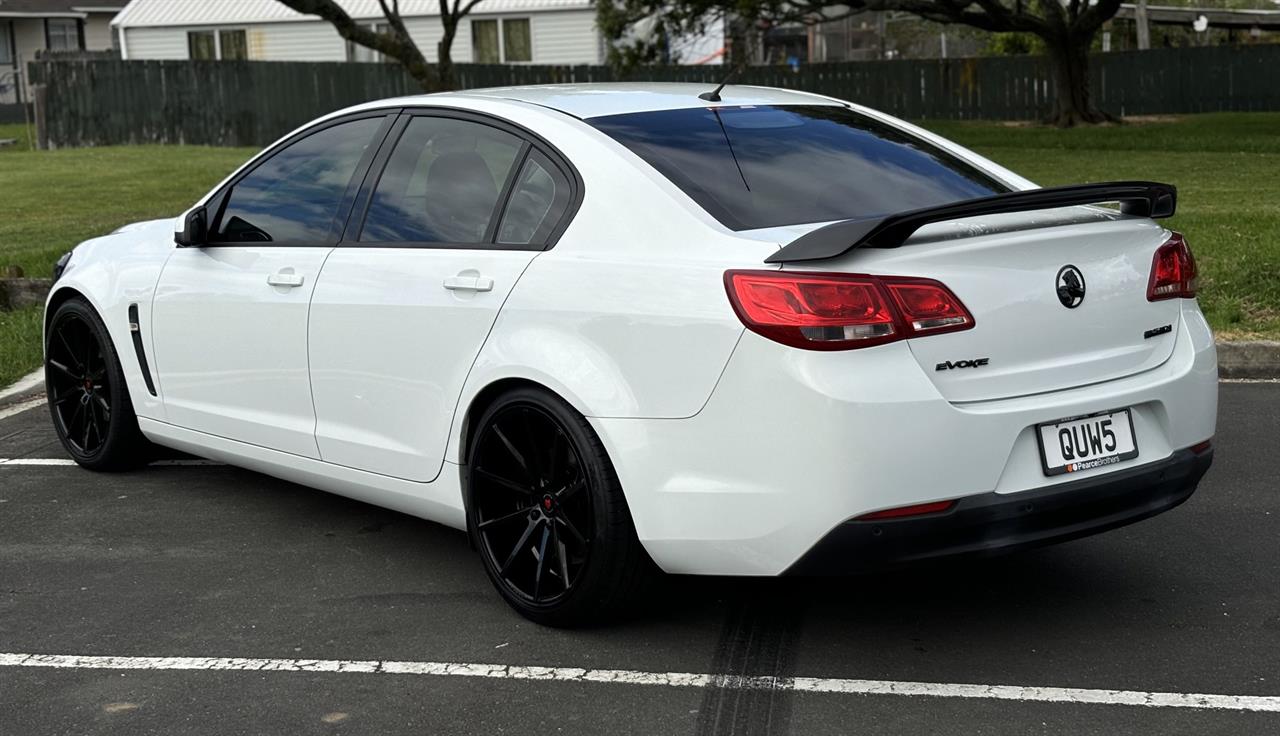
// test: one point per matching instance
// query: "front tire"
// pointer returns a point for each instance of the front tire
(547, 513)
(88, 398)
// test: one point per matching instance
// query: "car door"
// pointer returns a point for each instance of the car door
(460, 207)
(230, 316)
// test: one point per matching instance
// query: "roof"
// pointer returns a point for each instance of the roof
(57, 8)
(597, 100)
(204, 12)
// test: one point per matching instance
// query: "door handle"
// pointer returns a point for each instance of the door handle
(284, 278)
(468, 283)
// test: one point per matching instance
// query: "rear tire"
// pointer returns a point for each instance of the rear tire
(88, 398)
(547, 513)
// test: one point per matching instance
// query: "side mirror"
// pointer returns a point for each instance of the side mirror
(194, 229)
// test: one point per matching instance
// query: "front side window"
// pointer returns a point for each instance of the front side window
(484, 42)
(442, 183)
(234, 45)
(202, 46)
(64, 34)
(294, 196)
(765, 166)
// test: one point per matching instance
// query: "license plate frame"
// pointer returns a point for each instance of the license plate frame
(1094, 461)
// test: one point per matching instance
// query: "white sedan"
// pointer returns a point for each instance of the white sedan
(605, 328)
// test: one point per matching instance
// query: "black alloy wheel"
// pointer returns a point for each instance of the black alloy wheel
(547, 513)
(88, 399)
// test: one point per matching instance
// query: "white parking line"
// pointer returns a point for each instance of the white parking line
(60, 461)
(1259, 703)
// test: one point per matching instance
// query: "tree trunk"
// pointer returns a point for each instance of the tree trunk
(1069, 57)
(444, 57)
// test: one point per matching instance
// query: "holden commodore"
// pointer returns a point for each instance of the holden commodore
(612, 328)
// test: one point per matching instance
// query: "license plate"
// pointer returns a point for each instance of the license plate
(1084, 443)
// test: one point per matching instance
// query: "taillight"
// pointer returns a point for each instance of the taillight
(825, 311)
(1173, 271)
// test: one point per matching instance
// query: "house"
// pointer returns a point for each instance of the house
(495, 32)
(28, 26)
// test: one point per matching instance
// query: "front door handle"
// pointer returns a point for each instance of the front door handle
(468, 283)
(285, 278)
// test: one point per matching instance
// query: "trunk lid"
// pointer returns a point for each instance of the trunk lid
(1006, 269)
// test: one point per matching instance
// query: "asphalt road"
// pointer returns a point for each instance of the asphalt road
(211, 561)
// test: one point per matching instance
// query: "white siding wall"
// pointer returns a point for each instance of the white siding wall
(299, 41)
(156, 43)
(568, 37)
(28, 37)
(98, 34)
(562, 37)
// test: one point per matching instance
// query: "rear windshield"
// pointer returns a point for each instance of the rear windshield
(764, 166)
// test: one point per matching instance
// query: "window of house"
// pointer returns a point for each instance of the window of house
(6, 43)
(356, 52)
(233, 45)
(202, 45)
(484, 42)
(505, 42)
(517, 45)
(62, 34)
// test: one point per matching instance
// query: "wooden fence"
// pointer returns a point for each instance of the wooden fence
(102, 102)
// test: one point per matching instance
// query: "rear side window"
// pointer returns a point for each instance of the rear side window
(538, 200)
(765, 166)
(442, 183)
(294, 196)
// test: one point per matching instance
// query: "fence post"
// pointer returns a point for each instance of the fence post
(40, 102)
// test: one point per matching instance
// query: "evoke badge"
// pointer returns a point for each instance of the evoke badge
(974, 363)
(1070, 283)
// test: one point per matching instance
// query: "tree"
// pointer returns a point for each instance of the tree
(396, 42)
(1066, 27)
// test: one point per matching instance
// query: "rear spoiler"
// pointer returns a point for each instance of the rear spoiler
(1141, 198)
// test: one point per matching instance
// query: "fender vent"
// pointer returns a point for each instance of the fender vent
(135, 329)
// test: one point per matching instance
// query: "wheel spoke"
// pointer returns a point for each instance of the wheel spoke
(71, 423)
(88, 422)
(106, 407)
(528, 532)
(566, 493)
(552, 465)
(64, 398)
(62, 337)
(514, 452)
(573, 531)
(504, 517)
(561, 556)
(534, 460)
(505, 483)
(65, 370)
(542, 563)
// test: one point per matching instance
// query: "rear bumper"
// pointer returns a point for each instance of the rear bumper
(990, 523)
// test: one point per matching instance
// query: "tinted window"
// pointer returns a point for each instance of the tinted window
(441, 184)
(294, 196)
(538, 200)
(753, 167)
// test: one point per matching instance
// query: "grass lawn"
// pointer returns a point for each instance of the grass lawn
(1226, 167)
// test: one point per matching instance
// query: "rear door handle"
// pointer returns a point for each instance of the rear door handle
(468, 283)
(285, 278)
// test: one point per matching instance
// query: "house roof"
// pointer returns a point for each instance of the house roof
(57, 8)
(204, 12)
